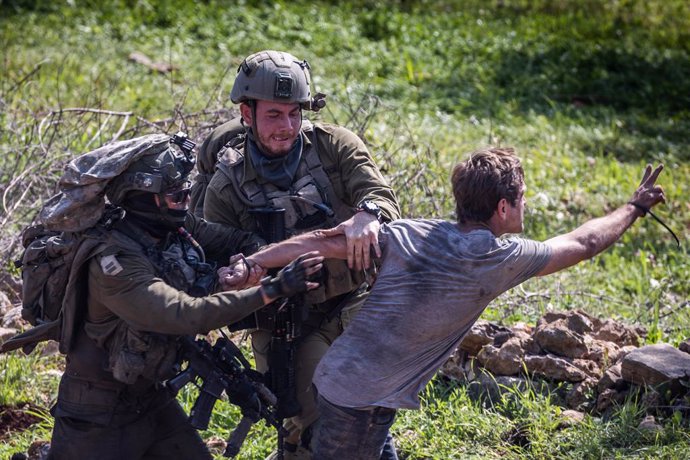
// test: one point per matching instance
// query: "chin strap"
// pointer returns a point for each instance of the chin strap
(645, 210)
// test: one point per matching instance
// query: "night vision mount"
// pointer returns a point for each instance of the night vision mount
(184, 143)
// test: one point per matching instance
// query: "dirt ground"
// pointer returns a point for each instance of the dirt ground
(17, 418)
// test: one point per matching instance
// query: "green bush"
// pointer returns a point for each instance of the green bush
(588, 91)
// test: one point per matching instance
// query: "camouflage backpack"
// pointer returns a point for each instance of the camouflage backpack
(76, 220)
(52, 266)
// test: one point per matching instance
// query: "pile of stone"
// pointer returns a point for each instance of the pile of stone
(600, 361)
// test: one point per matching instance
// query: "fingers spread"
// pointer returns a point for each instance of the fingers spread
(655, 174)
(647, 172)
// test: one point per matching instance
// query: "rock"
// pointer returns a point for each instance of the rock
(502, 337)
(555, 368)
(604, 353)
(5, 304)
(685, 346)
(556, 338)
(649, 424)
(612, 379)
(578, 321)
(506, 360)
(13, 318)
(618, 333)
(570, 417)
(453, 368)
(581, 394)
(521, 329)
(656, 365)
(39, 450)
(491, 389)
(6, 333)
(550, 317)
(626, 350)
(50, 348)
(591, 368)
(531, 346)
(608, 397)
(481, 333)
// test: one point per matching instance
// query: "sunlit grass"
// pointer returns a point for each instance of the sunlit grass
(588, 92)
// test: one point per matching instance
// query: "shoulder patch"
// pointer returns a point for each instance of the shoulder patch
(231, 155)
(110, 265)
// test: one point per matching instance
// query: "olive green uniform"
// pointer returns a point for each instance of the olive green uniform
(99, 416)
(353, 177)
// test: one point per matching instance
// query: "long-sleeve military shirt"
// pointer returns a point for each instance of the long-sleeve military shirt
(345, 159)
(136, 294)
(351, 171)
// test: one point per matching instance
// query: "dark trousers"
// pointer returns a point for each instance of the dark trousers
(343, 432)
(164, 433)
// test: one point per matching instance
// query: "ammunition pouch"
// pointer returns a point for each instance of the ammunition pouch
(134, 354)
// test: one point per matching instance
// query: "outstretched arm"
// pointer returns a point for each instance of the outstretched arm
(330, 244)
(595, 235)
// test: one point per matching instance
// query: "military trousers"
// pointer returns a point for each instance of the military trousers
(160, 433)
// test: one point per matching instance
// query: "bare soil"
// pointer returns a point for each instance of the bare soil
(17, 418)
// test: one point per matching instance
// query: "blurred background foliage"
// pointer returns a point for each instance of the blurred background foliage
(588, 91)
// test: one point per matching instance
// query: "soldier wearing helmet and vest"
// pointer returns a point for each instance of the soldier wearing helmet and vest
(321, 175)
(145, 281)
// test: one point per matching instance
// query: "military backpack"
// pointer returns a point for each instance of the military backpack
(52, 266)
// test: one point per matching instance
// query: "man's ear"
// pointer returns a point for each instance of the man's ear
(246, 112)
(501, 208)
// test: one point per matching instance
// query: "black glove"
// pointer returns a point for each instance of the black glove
(289, 281)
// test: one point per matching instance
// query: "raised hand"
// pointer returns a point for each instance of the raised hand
(648, 194)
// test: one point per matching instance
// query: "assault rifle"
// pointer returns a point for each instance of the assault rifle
(223, 368)
(284, 319)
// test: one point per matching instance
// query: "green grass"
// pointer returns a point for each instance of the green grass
(588, 91)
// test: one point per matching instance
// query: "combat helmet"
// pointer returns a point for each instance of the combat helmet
(163, 168)
(163, 171)
(275, 76)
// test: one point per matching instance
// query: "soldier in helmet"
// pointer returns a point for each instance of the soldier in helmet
(321, 175)
(146, 283)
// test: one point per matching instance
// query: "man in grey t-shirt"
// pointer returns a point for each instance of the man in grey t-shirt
(435, 280)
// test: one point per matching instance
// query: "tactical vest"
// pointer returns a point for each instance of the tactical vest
(133, 353)
(310, 193)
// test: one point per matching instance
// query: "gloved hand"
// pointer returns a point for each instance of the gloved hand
(293, 279)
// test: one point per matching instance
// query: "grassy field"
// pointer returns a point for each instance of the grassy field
(587, 91)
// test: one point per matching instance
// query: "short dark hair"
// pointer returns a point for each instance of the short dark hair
(480, 182)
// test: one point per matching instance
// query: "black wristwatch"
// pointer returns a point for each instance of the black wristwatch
(370, 208)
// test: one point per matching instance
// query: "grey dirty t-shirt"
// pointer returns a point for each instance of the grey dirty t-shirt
(434, 283)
